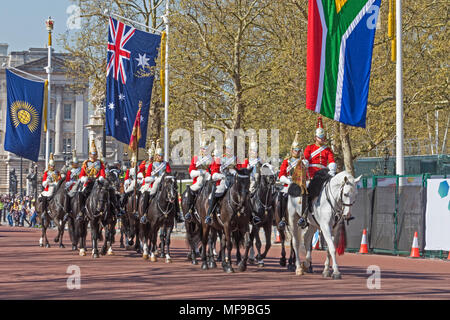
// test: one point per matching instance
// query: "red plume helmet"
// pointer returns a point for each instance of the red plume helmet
(320, 132)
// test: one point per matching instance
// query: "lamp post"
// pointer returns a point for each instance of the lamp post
(49, 25)
(166, 94)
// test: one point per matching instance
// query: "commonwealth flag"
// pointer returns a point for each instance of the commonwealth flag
(23, 117)
(339, 57)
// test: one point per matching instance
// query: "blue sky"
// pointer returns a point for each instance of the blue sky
(22, 22)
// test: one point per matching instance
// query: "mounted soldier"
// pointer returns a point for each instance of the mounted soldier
(147, 180)
(72, 183)
(156, 171)
(253, 162)
(317, 157)
(199, 172)
(285, 176)
(49, 181)
(220, 167)
(92, 168)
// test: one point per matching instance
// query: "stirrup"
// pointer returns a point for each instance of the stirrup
(282, 225)
(188, 217)
(256, 220)
(302, 223)
(208, 220)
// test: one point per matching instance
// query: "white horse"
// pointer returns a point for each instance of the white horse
(330, 209)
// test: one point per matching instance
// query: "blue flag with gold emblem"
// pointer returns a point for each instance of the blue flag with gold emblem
(25, 100)
(129, 79)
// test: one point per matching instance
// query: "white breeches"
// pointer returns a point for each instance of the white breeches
(221, 187)
(155, 186)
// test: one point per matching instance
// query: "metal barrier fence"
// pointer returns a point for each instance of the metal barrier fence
(391, 214)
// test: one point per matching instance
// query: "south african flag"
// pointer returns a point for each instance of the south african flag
(339, 57)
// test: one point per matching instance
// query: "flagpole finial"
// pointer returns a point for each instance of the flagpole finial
(140, 104)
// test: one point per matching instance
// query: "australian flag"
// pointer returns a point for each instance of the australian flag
(25, 99)
(129, 79)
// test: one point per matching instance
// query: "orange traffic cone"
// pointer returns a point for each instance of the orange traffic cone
(415, 247)
(363, 248)
(278, 237)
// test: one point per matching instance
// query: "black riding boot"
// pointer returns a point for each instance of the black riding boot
(66, 208)
(178, 214)
(212, 204)
(283, 209)
(302, 223)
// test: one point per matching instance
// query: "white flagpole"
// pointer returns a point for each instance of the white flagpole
(400, 170)
(49, 24)
(166, 102)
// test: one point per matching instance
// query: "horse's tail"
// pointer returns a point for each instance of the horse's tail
(342, 238)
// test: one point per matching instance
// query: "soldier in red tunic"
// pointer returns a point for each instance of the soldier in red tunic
(285, 176)
(49, 181)
(72, 176)
(317, 157)
(199, 172)
(318, 154)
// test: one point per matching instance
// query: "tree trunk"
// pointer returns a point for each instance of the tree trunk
(346, 149)
(337, 147)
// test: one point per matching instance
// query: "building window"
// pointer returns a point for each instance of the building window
(67, 145)
(67, 112)
(50, 145)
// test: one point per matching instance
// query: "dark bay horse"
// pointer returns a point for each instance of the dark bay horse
(194, 226)
(101, 214)
(55, 213)
(160, 214)
(261, 206)
(130, 221)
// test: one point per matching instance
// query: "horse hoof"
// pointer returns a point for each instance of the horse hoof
(299, 272)
(110, 253)
(168, 260)
(74, 248)
(162, 255)
(229, 269)
(130, 243)
(261, 265)
(212, 265)
(145, 256)
(337, 276)
(326, 274)
(121, 246)
(41, 245)
(153, 259)
(283, 262)
(204, 266)
(47, 245)
(242, 267)
(291, 267)
(61, 246)
(194, 262)
(95, 255)
(82, 252)
(251, 261)
(56, 240)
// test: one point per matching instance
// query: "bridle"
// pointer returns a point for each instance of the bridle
(265, 205)
(338, 201)
(169, 206)
(231, 202)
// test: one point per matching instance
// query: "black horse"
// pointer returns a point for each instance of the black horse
(101, 214)
(55, 212)
(261, 206)
(160, 213)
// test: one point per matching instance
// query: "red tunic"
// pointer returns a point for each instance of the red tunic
(243, 165)
(320, 160)
(193, 166)
(283, 170)
(148, 173)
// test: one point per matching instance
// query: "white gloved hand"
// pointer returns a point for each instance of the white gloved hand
(45, 183)
(84, 179)
(217, 176)
(140, 175)
(285, 180)
(305, 163)
(195, 173)
(332, 166)
(207, 176)
(101, 179)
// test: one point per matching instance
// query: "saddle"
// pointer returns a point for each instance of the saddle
(316, 185)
